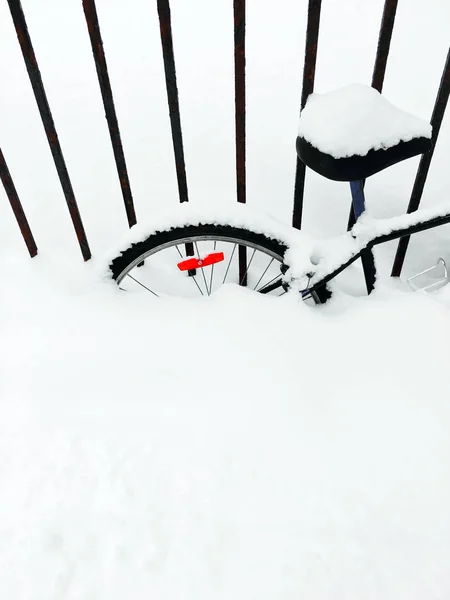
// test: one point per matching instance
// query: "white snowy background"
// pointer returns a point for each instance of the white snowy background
(234, 447)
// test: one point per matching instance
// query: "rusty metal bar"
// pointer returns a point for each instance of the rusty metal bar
(165, 26)
(384, 44)
(239, 102)
(379, 69)
(309, 70)
(172, 95)
(90, 12)
(47, 120)
(425, 161)
(16, 205)
(239, 96)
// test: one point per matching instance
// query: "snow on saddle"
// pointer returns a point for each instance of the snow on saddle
(353, 132)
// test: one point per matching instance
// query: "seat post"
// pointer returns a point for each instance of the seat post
(359, 206)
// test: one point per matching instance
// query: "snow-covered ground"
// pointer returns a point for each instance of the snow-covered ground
(239, 446)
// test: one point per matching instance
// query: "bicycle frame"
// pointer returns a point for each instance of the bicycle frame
(418, 224)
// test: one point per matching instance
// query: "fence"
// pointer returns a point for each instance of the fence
(163, 8)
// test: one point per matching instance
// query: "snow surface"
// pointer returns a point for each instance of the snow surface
(239, 446)
(236, 447)
(300, 245)
(304, 254)
(355, 119)
(330, 254)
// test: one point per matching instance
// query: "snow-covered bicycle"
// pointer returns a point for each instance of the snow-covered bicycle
(345, 135)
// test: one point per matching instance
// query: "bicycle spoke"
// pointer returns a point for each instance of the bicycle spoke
(269, 282)
(270, 287)
(202, 269)
(212, 271)
(193, 277)
(264, 272)
(242, 255)
(229, 263)
(248, 267)
(163, 275)
(142, 285)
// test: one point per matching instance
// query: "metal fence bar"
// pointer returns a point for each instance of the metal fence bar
(309, 70)
(90, 12)
(16, 205)
(239, 101)
(47, 120)
(384, 44)
(239, 96)
(172, 96)
(425, 161)
(379, 69)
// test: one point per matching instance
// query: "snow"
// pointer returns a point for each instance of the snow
(355, 119)
(300, 244)
(240, 446)
(304, 255)
(240, 470)
(328, 255)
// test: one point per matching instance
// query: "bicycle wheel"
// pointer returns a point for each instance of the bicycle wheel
(196, 260)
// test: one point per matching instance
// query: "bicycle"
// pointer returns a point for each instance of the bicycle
(194, 252)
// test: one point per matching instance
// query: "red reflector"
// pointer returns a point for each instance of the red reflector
(197, 263)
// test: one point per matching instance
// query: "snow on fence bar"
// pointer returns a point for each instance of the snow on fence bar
(163, 8)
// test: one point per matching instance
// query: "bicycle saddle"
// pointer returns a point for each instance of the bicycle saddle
(354, 132)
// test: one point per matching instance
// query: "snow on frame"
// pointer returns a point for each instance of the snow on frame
(303, 254)
(332, 253)
(300, 245)
(355, 119)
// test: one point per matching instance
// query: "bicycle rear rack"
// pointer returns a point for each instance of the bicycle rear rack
(421, 281)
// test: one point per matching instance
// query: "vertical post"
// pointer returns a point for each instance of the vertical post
(368, 262)
(239, 97)
(34, 74)
(165, 25)
(425, 161)
(16, 205)
(309, 70)
(90, 13)
(239, 94)
(379, 69)
(384, 44)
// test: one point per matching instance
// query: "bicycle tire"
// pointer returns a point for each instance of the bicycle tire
(136, 253)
